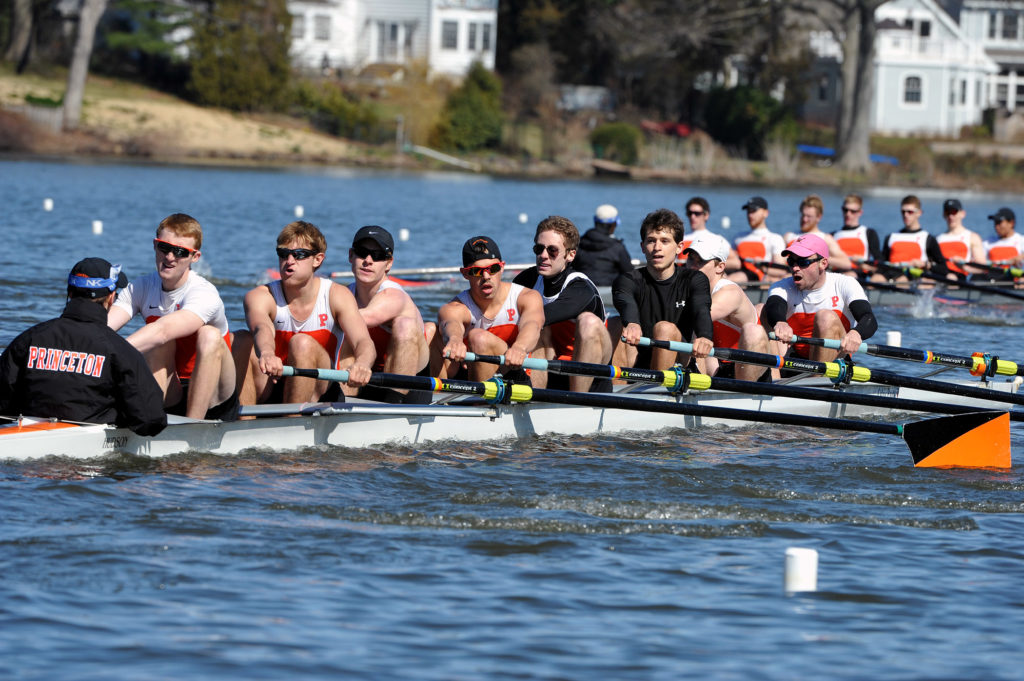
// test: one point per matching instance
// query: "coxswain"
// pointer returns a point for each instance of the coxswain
(76, 368)
(601, 255)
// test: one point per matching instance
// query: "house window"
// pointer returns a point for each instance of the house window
(485, 37)
(449, 35)
(823, 89)
(1019, 102)
(963, 92)
(993, 16)
(322, 27)
(912, 90)
(472, 36)
(925, 29)
(1001, 94)
(952, 92)
(977, 93)
(298, 26)
(387, 41)
(1010, 25)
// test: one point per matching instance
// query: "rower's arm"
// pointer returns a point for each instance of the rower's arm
(348, 319)
(934, 255)
(385, 306)
(117, 317)
(874, 246)
(531, 321)
(259, 316)
(773, 318)
(726, 302)
(178, 324)
(625, 299)
(978, 253)
(452, 319)
(862, 313)
(574, 299)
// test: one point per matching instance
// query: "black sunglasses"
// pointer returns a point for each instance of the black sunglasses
(167, 247)
(378, 254)
(297, 253)
(692, 213)
(552, 250)
(850, 210)
(802, 263)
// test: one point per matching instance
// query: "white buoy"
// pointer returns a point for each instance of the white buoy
(47, 205)
(403, 234)
(726, 222)
(97, 226)
(523, 217)
(801, 570)
(299, 211)
(894, 338)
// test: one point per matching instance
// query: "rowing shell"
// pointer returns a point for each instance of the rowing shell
(360, 423)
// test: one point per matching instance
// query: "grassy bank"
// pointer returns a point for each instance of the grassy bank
(125, 120)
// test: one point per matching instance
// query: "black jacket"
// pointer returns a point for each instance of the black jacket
(76, 368)
(601, 257)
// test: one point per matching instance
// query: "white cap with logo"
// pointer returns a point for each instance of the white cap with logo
(709, 246)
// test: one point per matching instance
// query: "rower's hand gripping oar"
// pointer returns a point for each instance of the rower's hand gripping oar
(979, 364)
(944, 441)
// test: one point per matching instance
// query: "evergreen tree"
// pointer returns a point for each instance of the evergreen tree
(240, 55)
(472, 117)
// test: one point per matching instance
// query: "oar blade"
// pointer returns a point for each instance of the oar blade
(978, 439)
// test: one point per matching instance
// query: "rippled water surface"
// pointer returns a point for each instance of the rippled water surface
(634, 557)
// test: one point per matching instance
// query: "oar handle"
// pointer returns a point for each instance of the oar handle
(339, 375)
(830, 343)
(529, 363)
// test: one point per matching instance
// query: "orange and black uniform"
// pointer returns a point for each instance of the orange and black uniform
(76, 368)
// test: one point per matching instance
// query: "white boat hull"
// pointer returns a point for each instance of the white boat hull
(359, 424)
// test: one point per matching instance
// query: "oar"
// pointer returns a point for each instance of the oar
(842, 372)
(995, 290)
(1004, 269)
(979, 364)
(977, 439)
(682, 380)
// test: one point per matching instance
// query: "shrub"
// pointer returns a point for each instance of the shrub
(332, 110)
(472, 118)
(744, 118)
(616, 142)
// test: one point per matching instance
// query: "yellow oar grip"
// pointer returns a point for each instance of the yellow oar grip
(490, 390)
(1005, 368)
(700, 382)
(521, 393)
(861, 374)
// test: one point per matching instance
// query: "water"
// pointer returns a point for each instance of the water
(646, 557)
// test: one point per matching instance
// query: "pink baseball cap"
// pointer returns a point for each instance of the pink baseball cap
(807, 245)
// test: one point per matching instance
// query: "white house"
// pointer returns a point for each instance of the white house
(448, 35)
(938, 67)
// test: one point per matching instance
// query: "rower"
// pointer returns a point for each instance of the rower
(1008, 246)
(759, 246)
(911, 246)
(818, 303)
(491, 317)
(185, 338)
(662, 301)
(300, 320)
(958, 244)
(574, 314)
(391, 316)
(732, 314)
(601, 255)
(811, 211)
(698, 212)
(859, 243)
(75, 368)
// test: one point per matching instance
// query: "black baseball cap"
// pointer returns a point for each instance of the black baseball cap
(95, 277)
(755, 202)
(1003, 213)
(479, 248)
(952, 206)
(378, 234)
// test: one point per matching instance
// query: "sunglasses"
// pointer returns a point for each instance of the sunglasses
(693, 213)
(552, 250)
(908, 212)
(167, 247)
(378, 254)
(297, 253)
(802, 263)
(479, 271)
(850, 210)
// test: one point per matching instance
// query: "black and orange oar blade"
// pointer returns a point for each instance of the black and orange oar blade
(978, 439)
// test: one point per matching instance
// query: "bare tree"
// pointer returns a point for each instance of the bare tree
(21, 33)
(852, 24)
(88, 18)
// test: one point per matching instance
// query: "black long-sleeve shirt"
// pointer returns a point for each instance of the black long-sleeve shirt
(602, 257)
(564, 301)
(683, 299)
